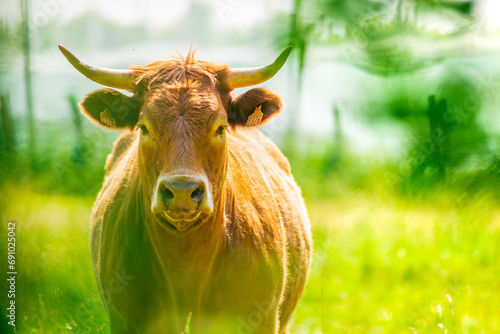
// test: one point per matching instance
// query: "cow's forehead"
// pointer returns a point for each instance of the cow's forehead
(190, 106)
(184, 98)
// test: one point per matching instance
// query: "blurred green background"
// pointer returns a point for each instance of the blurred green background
(391, 124)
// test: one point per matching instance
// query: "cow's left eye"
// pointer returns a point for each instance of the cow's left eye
(144, 130)
(220, 130)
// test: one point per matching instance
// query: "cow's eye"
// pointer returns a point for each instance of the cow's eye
(144, 130)
(220, 130)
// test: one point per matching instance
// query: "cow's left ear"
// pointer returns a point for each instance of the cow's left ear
(112, 109)
(254, 107)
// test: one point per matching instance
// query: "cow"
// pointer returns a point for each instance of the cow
(199, 224)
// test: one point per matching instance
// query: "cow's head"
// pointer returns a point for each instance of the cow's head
(182, 108)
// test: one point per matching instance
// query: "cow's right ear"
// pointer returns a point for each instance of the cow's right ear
(111, 109)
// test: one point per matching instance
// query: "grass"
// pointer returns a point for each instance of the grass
(383, 267)
(56, 292)
(381, 264)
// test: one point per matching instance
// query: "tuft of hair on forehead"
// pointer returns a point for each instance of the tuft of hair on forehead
(189, 96)
(177, 70)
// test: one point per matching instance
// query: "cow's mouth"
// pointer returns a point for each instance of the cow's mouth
(181, 220)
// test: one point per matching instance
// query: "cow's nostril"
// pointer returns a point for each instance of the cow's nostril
(197, 194)
(167, 195)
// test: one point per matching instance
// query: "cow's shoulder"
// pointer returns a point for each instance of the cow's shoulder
(257, 174)
(121, 176)
(252, 142)
(121, 145)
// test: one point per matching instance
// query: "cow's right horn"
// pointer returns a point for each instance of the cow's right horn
(112, 78)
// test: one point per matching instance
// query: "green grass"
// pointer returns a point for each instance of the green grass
(385, 266)
(56, 292)
(382, 264)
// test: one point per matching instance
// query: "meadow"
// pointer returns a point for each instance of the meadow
(386, 260)
(406, 242)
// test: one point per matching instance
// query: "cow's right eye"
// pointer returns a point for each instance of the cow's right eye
(220, 130)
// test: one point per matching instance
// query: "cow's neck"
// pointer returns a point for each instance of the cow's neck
(187, 259)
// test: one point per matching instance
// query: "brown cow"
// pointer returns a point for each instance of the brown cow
(199, 221)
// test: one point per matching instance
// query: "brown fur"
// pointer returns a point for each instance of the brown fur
(240, 269)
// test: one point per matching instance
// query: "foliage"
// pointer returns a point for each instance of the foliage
(61, 164)
(390, 40)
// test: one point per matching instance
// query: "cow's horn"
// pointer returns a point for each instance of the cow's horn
(112, 78)
(243, 77)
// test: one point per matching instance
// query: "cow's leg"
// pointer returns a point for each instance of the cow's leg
(255, 322)
(284, 330)
(290, 302)
(257, 315)
(297, 273)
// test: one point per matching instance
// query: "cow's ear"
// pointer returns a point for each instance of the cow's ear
(112, 109)
(254, 107)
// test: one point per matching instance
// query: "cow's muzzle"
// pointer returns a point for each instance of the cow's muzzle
(181, 199)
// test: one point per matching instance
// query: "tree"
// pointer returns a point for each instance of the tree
(390, 39)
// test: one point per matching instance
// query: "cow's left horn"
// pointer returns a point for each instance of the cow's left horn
(243, 77)
(112, 78)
